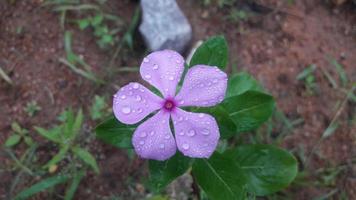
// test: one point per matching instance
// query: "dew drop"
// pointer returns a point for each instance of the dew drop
(181, 102)
(155, 66)
(161, 146)
(146, 60)
(135, 86)
(138, 98)
(142, 142)
(167, 137)
(139, 110)
(201, 115)
(126, 110)
(181, 133)
(191, 133)
(143, 134)
(178, 61)
(147, 76)
(180, 119)
(123, 96)
(185, 146)
(152, 133)
(205, 132)
(115, 95)
(171, 78)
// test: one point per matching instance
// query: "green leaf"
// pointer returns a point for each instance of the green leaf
(12, 140)
(58, 157)
(83, 23)
(220, 177)
(51, 135)
(107, 39)
(226, 126)
(307, 72)
(16, 127)
(97, 19)
(96, 110)
(115, 133)
(249, 110)
(28, 140)
(164, 172)
(240, 83)
(340, 70)
(87, 157)
(74, 185)
(77, 125)
(41, 186)
(268, 168)
(213, 52)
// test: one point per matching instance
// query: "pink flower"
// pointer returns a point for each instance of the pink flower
(195, 134)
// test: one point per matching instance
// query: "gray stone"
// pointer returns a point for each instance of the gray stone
(164, 25)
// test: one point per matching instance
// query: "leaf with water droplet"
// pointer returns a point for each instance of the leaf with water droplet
(163, 172)
(213, 52)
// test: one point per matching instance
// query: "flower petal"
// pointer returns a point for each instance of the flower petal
(197, 134)
(163, 69)
(153, 139)
(203, 86)
(133, 102)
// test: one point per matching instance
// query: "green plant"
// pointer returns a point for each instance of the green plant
(308, 78)
(32, 108)
(65, 137)
(72, 60)
(18, 135)
(234, 170)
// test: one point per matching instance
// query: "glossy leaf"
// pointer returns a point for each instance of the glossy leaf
(268, 168)
(249, 110)
(164, 172)
(220, 177)
(213, 52)
(87, 158)
(240, 83)
(12, 140)
(41, 186)
(115, 133)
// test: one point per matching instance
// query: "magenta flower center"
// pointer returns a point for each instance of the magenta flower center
(169, 105)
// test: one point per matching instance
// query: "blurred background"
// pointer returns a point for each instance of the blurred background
(61, 60)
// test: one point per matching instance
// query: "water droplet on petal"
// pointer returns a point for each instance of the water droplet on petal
(167, 137)
(139, 110)
(215, 80)
(138, 98)
(143, 134)
(205, 132)
(181, 102)
(155, 66)
(115, 95)
(130, 93)
(191, 133)
(152, 133)
(171, 78)
(142, 142)
(126, 110)
(135, 85)
(185, 146)
(161, 146)
(180, 118)
(201, 115)
(178, 61)
(147, 76)
(123, 96)
(146, 60)
(181, 133)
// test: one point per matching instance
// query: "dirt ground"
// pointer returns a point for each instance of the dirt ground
(275, 45)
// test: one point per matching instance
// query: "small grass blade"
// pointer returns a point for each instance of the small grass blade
(41, 186)
(306, 72)
(74, 185)
(340, 70)
(4, 76)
